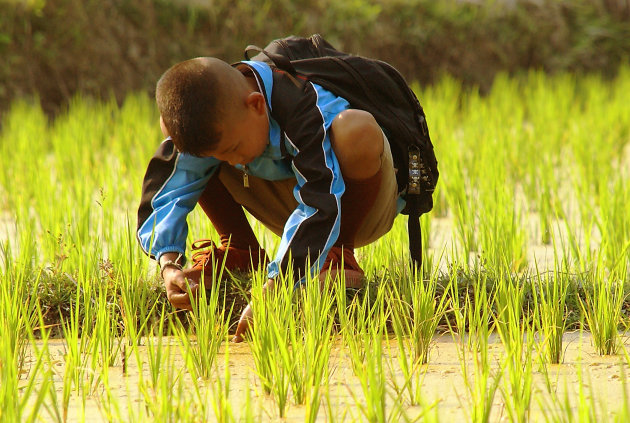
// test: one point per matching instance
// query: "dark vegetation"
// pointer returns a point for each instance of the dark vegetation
(54, 49)
(57, 293)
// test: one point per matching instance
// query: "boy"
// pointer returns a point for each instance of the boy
(312, 170)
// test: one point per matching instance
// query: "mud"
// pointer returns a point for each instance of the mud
(600, 377)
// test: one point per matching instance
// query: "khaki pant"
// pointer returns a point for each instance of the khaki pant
(272, 202)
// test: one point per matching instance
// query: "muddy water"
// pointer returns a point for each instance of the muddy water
(443, 383)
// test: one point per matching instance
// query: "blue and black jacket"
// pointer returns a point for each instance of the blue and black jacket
(300, 116)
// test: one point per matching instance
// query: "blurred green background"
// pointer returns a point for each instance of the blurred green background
(54, 49)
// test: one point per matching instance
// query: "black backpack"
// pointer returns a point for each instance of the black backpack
(376, 87)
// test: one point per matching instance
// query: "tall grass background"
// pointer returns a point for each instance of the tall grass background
(529, 238)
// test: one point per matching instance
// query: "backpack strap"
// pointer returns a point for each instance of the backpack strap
(415, 234)
(413, 203)
(280, 61)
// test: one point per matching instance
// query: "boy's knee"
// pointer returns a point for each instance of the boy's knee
(356, 137)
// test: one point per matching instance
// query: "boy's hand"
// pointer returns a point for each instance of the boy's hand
(177, 286)
(247, 317)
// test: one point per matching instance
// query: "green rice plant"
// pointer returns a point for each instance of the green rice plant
(415, 314)
(473, 326)
(108, 404)
(588, 408)
(75, 359)
(273, 320)
(549, 207)
(557, 145)
(210, 327)
(221, 393)
(624, 414)
(474, 319)
(481, 385)
(556, 407)
(292, 340)
(602, 310)
(516, 335)
(464, 216)
(168, 399)
(502, 241)
(580, 240)
(20, 401)
(614, 221)
(106, 345)
(369, 370)
(132, 332)
(138, 300)
(549, 296)
(79, 375)
(334, 410)
(312, 345)
(18, 303)
(517, 390)
(362, 329)
(157, 352)
(410, 367)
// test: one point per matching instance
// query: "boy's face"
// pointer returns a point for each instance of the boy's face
(245, 133)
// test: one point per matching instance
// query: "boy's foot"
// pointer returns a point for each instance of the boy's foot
(208, 258)
(354, 275)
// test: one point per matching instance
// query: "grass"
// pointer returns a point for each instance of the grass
(529, 240)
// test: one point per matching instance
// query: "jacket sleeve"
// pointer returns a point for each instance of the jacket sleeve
(172, 185)
(313, 227)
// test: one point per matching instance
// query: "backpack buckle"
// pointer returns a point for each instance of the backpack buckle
(419, 178)
(414, 170)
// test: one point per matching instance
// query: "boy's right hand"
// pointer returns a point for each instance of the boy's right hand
(177, 287)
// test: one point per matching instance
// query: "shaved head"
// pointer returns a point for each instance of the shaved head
(194, 96)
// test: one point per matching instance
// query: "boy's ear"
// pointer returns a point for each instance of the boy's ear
(256, 101)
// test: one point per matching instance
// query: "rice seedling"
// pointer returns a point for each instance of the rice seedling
(106, 345)
(416, 312)
(20, 401)
(517, 338)
(312, 346)
(415, 315)
(210, 327)
(368, 368)
(78, 376)
(481, 383)
(549, 297)
(157, 352)
(624, 413)
(474, 317)
(539, 152)
(503, 240)
(458, 199)
(221, 392)
(18, 313)
(602, 310)
(273, 321)
(363, 330)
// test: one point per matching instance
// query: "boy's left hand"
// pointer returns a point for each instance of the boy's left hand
(247, 317)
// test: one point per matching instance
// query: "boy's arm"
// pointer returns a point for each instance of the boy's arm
(313, 227)
(172, 185)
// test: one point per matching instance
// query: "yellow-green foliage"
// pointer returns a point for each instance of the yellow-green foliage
(539, 164)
